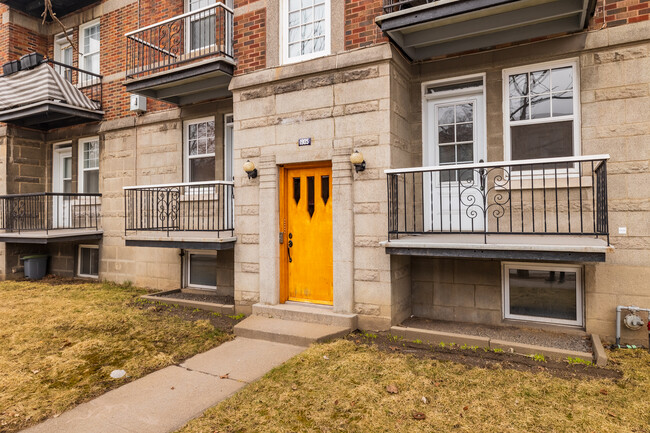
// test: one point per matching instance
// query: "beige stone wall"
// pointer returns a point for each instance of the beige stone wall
(341, 109)
(457, 290)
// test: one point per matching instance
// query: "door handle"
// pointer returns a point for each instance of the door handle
(289, 245)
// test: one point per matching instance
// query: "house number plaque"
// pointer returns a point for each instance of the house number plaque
(304, 142)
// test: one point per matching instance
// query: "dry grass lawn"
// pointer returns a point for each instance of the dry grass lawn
(341, 387)
(60, 343)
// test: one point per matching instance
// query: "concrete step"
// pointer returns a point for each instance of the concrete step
(288, 331)
(306, 313)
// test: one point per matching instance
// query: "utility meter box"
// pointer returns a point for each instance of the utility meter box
(138, 103)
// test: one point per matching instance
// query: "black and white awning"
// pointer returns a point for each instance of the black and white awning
(41, 84)
(42, 98)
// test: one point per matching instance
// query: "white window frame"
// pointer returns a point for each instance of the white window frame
(188, 26)
(186, 145)
(228, 147)
(427, 97)
(186, 267)
(575, 117)
(284, 35)
(79, 274)
(80, 162)
(83, 54)
(505, 279)
(60, 44)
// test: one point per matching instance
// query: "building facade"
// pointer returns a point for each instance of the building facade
(502, 155)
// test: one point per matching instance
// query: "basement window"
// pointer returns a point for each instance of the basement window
(543, 293)
(201, 270)
(88, 261)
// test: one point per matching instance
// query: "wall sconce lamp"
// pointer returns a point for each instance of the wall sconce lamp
(357, 160)
(250, 169)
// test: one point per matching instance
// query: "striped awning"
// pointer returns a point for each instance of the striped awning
(41, 84)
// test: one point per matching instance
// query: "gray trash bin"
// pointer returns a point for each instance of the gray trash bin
(35, 266)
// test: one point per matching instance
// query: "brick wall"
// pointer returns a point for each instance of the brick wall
(360, 27)
(250, 41)
(618, 12)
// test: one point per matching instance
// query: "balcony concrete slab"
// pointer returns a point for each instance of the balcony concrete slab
(477, 245)
(51, 236)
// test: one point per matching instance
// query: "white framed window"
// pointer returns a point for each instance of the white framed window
(541, 107)
(88, 261)
(201, 28)
(201, 269)
(63, 54)
(89, 44)
(549, 293)
(89, 165)
(199, 150)
(306, 29)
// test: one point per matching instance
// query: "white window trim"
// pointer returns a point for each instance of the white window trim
(80, 162)
(61, 43)
(186, 144)
(577, 269)
(228, 147)
(574, 63)
(284, 35)
(60, 150)
(187, 25)
(82, 54)
(79, 274)
(186, 266)
(426, 97)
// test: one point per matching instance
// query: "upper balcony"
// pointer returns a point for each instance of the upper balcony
(185, 59)
(193, 215)
(430, 28)
(42, 218)
(551, 209)
(50, 95)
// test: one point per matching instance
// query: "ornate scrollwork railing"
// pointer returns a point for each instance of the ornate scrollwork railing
(186, 38)
(49, 211)
(560, 196)
(191, 207)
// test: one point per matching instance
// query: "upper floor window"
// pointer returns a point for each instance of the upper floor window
(89, 46)
(306, 29)
(201, 27)
(541, 111)
(200, 163)
(89, 165)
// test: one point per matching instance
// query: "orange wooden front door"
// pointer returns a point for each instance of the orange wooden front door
(306, 205)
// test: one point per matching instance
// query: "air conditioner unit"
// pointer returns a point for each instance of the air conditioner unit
(138, 103)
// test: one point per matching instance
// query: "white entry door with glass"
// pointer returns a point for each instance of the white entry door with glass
(454, 119)
(61, 183)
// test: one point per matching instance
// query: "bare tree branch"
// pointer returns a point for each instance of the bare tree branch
(48, 11)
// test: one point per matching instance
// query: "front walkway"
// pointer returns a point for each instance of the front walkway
(166, 400)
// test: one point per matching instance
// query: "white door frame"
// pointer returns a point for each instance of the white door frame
(430, 154)
(59, 204)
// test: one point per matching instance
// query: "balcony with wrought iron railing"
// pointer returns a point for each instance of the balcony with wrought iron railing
(531, 209)
(193, 215)
(48, 217)
(183, 59)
